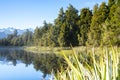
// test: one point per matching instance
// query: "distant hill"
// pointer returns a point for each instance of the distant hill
(5, 31)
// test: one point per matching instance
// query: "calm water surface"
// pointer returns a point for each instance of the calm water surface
(17, 64)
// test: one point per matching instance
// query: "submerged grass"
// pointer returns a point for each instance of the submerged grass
(102, 66)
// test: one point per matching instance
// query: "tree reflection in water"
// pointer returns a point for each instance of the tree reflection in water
(44, 62)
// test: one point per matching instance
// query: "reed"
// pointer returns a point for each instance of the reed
(105, 67)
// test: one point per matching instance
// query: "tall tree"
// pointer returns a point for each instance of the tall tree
(27, 37)
(115, 27)
(68, 31)
(59, 21)
(37, 36)
(98, 19)
(57, 38)
(84, 25)
(45, 26)
(111, 27)
(46, 39)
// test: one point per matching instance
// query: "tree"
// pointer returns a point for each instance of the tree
(99, 17)
(37, 36)
(115, 26)
(45, 26)
(111, 2)
(15, 33)
(59, 21)
(95, 9)
(112, 27)
(68, 31)
(84, 25)
(46, 38)
(27, 37)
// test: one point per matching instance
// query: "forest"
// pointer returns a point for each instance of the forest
(97, 27)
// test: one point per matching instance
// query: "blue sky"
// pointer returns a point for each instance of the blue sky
(24, 14)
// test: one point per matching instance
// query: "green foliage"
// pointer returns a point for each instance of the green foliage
(99, 17)
(84, 25)
(98, 27)
(59, 28)
(68, 30)
(111, 2)
(18, 40)
(37, 35)
(111, 30)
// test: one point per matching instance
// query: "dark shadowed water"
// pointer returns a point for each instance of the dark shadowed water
(17, 64)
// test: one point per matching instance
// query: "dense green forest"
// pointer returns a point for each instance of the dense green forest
(97, 27)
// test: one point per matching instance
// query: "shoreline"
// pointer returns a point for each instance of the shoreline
(56, 50)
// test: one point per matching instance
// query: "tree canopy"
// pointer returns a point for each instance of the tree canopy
(100, 26)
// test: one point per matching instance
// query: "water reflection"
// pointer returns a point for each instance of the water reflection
(42, 62)
(15, 56)
(48, 62)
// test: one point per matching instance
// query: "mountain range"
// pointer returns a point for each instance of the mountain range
(5, 31)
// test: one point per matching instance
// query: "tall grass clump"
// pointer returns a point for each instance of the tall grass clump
(97, 66)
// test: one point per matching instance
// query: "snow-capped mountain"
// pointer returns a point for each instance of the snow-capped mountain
(5, 31)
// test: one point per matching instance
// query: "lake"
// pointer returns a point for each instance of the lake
(17, 64)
